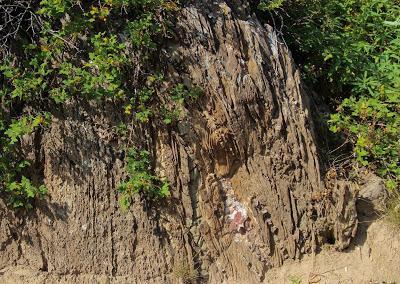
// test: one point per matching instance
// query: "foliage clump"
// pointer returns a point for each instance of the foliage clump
(140, 180)
(349, 52)
(19, 188)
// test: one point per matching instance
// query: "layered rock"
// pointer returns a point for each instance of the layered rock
(243, 163)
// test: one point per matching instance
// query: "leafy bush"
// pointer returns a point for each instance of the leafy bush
(349, 51)
(140, 180)
(20, 190)
(79, 49)
(143, 30)
(143, 106)
(269, 5)
(23, 193)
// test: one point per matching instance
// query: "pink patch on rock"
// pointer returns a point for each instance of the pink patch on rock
(235, 211)
(238, 220)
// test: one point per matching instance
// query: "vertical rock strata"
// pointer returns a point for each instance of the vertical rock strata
(247, 191)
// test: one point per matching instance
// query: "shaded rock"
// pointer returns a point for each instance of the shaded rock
(372, 196)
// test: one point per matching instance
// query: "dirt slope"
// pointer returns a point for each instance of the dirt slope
(374, 258)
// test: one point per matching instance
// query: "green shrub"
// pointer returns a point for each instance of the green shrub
(143, 30)
(54, 8)
(144, 104)
(20, 190)
(269, 5)
(22, 193)
(80, 49)
(349, 51)
(140, 180)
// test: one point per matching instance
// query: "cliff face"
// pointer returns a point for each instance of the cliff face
(247, 191)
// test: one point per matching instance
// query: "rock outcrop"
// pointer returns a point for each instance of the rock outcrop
(247, 185)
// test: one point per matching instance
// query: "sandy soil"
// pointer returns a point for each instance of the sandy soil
(374, 257)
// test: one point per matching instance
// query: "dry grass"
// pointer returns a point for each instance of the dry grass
(393, 211)
(185, 272)
(293, 279)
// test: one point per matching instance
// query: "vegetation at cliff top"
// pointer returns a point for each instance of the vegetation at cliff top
(53, 51)
(349, 51)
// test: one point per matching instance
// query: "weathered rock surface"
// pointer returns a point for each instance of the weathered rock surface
(243, 164)
(372, 197)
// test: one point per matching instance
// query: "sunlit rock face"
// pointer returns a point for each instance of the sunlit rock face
(243, 165)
